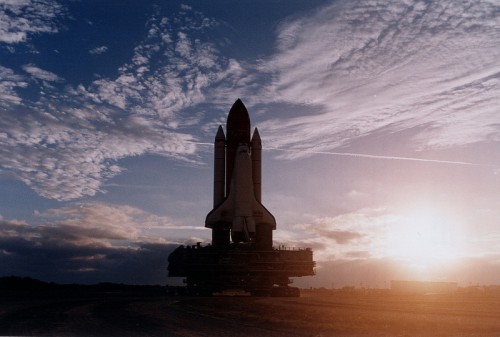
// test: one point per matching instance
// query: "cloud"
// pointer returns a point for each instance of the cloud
(41, 74)
(369, 66)
(21, 18)
(164, 90)
(351, 235)
(91, 242)
(98, 50)
(71, 139)
(360, 254)
(68, 154)
(9, 81)
(93, 223)
(354, 68)
(339, 236)
(423, 236)
(87, 243)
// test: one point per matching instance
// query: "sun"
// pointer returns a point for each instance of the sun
(424, 237)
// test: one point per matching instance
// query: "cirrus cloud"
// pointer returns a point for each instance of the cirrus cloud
(389, 65)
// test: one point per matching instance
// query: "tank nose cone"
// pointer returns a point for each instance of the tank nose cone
(238, 124)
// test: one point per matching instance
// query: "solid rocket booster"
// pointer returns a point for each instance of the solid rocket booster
(238, 212)
(219, 166)
(257, 165)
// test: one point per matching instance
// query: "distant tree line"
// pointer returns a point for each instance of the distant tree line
(13, 286)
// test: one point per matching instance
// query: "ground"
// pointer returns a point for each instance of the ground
(327, 313)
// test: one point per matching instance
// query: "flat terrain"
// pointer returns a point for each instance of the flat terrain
(313, 314)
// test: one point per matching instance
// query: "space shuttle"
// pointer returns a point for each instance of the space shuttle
(238, 214)
(241, 255)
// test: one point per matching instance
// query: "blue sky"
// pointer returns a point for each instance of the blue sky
(379, 120)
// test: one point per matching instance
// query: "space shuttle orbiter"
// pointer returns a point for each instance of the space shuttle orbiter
(238, 213)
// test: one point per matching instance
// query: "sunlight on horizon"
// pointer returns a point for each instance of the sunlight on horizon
(426, 237)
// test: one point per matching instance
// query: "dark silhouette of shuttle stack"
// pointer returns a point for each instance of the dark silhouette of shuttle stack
(237, 185)
(241, 256)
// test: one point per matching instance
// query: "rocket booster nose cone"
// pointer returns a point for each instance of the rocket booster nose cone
(220, 134)
(256, 142)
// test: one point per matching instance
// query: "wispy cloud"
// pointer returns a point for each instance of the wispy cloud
(9, 81)
(343, 234)
(98, 50)
(363, 66)
(70, 154)
(41, 74)
(371, 65)
(161, 91)
(69, 143)
(21, 18)
(175, 68)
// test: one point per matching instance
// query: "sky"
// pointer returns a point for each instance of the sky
(380, 124)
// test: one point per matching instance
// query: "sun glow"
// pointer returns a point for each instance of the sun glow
(425, 238)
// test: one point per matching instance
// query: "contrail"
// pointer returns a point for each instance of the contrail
(372, 156)
(200, 143)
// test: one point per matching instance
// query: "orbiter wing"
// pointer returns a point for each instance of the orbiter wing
(225, 212)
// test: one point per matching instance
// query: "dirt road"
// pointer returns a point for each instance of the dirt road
(123, 317)
(339, 315)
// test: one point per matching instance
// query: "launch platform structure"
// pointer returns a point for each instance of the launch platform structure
(241, 256)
